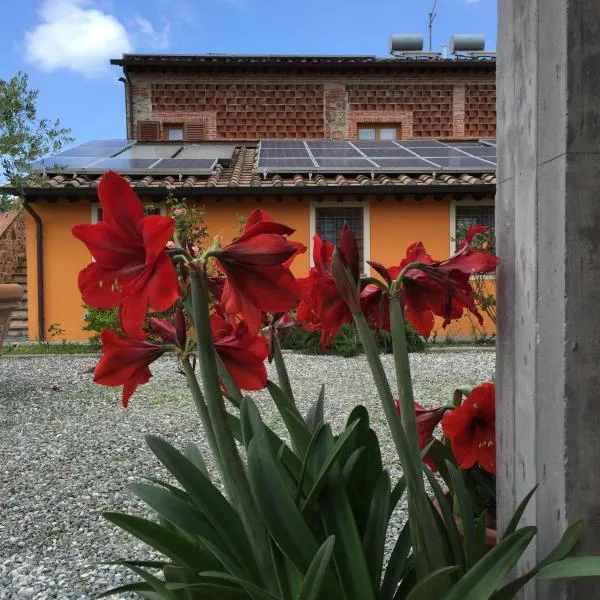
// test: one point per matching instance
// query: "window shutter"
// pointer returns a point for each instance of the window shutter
(148, 131)
(194, 132)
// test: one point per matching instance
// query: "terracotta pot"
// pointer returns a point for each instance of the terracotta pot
(491, 535)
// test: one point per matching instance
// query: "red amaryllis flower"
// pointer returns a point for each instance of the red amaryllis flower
(242, 352)
(174, 333)
(125, 362)
(471, 429)
(131, 268)
(322, 306)
(442, 287)
(427, 421)
(258, 278)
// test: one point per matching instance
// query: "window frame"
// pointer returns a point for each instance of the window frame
(343, 204)
(167, 129)
(453, 204)
(96, 205)
(378, 127)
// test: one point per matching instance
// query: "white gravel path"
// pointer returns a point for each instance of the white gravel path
(67, 450)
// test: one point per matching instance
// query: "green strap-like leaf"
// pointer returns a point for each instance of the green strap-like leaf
(397, 566)
(223, 579)
(376, 529)
(349, 556)
(158, 586)
(454, 539)
(315, 412)
(514, 522)
(339, 446)
(427, 588)
(484, 578)
(172, 544)
(190, 520)
(577, 566)
(296, 426)
(193, 454)
(570, 537)
(139, 587)
(466, 511)
(284, 521)
(313, 580)
(209, 500)
(397, 493)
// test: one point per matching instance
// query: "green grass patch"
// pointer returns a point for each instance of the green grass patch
(53, 348)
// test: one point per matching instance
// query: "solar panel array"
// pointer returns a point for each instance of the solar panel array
(126, 156)
(385, 156)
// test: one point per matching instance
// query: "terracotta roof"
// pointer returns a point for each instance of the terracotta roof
(222, 60)
(239, 177)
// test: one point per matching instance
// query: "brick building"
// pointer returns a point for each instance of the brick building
(216, 97)
(229, 108)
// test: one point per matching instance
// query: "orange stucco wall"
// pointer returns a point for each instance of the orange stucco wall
(394, 226)
(64, 257)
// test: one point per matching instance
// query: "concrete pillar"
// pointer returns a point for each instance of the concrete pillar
(548, 236)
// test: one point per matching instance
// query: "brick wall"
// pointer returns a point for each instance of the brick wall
(256, 105)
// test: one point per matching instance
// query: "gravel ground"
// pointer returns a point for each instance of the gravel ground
(67, 450)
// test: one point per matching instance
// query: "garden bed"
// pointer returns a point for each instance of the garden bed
(67, 451)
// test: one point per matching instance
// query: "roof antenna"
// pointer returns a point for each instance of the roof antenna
(432, 16)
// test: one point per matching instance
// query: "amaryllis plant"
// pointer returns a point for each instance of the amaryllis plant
(304, 516)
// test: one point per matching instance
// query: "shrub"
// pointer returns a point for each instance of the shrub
(346, 342)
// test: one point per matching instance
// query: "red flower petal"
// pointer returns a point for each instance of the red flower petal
(122, 209)
(156, 231)
(125, 362)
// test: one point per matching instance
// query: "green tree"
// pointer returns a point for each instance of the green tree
(24, 136)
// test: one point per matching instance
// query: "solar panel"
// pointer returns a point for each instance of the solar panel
(57, 163)
(208, 150)
(121, 164)
(282, 144)
(420, 144)
(155, 151)
(285, 165)
(335, 152)
(464, 164)
(345, 164)
(374, 144)
(92, 152)
(404, 164)
(481, 151)
(284, 153)
(388, 152)
(184, 165)
(103, 143)
(333, 144)
(441, 152)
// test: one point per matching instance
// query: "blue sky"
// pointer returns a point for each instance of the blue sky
(65, 45)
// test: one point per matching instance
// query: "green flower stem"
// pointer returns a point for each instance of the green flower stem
(201, 408)
(233, 392)
(424, 534)
(232, 468)
(386, 396)
(282, 373)
(403, 377)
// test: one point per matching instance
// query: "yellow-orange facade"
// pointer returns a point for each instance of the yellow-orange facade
(390, 227)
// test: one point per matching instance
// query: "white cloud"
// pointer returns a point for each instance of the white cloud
(75, 35)
(154, 39)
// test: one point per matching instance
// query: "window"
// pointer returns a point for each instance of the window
(151, 209)
(174, 132)
(465, 216)
(374, 132)
(328, 220)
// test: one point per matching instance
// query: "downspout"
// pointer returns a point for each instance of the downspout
(128, 104)
(41, 309)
